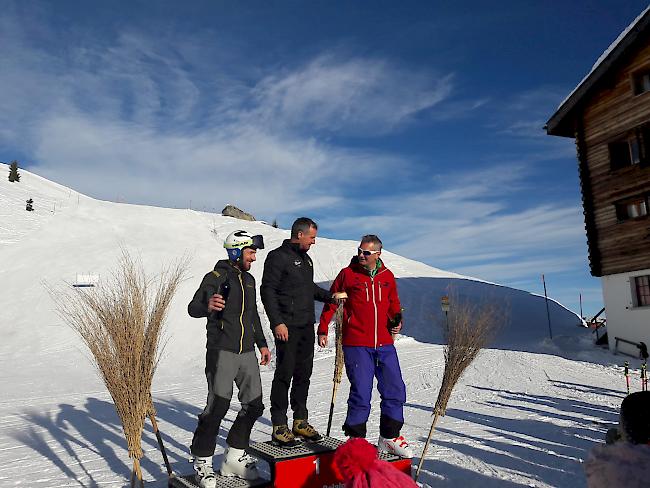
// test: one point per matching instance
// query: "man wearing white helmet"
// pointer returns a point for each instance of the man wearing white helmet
(227, 298)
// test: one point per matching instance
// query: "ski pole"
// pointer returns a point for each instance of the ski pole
(627, 376)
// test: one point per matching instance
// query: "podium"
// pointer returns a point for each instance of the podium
(308, 465)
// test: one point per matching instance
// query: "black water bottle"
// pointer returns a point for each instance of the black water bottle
(394, 322)
(224, 291)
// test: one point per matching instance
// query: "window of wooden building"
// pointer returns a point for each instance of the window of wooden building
(641, 81)
(631, 148)
(625, 152)
(642, 290)
(634, 208)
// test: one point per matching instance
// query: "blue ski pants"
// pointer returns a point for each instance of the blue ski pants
(362, 365)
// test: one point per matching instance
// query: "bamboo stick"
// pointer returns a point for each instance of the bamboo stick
(154, 424)
(338, 362)
(426, 445)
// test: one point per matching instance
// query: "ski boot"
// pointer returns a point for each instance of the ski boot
(204, 473)
(302, 428)
(237, 462)
(397, 446)
(283, 437)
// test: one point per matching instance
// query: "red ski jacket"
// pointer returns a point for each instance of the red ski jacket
(371, 302)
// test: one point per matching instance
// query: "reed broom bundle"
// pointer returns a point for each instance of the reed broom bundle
(339, 364)
(121, 322)
(468, 329)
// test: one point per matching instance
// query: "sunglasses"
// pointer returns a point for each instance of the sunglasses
(365, 252)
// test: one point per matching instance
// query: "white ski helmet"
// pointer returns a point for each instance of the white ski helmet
(238, 240)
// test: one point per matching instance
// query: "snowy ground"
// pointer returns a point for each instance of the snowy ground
(526, 412)
(516, 418)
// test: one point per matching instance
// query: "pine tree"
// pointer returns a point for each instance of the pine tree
(14, 175)
(275, 223)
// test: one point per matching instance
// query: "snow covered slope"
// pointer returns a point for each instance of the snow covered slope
(512, 414)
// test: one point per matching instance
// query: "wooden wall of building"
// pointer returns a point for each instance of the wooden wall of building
(613, 111)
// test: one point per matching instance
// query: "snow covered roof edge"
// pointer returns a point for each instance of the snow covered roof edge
(600, 67)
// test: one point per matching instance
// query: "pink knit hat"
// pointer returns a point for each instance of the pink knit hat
(357, 465)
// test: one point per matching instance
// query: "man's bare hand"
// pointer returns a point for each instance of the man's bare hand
(322, 340)
(265, 356)
(396, 329)
(216, 303)
(339, 296)
(281, 332)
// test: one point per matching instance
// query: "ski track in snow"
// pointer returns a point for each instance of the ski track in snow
(522, 415)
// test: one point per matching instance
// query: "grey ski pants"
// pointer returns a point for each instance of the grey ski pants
(222, 368)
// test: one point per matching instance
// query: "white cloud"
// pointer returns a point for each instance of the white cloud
(507, 271)
(352, 95)
(522, 117)
(245, 165)
(134, 117)
(147, 120)
(470, 224)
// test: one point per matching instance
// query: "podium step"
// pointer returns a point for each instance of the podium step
(187, 481)
(273, 453)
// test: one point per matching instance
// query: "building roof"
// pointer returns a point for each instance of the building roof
(561, 123)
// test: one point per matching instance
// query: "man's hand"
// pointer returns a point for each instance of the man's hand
(281, 332)
(322, 340)
(216, 303)
(265, 356)
(396, 329)
(339, 296)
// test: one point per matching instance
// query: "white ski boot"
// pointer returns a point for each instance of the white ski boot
(397, 446)
(204, 473)
(236, 462)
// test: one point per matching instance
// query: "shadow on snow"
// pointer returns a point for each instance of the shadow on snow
(94, 431)
(548, 445)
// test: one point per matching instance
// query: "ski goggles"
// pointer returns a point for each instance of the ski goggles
(365, 252)
(258, 242)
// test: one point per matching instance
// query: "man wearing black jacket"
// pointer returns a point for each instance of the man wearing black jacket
(288, 293)
(227, 298)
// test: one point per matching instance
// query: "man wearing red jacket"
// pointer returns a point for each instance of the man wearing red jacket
(370, 310)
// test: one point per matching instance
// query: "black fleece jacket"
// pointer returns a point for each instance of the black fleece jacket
(237, 328)
(288, 289)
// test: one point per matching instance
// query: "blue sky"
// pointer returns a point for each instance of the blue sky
(419, 121)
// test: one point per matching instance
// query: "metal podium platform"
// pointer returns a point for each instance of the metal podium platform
(307, 465)
(310, 464)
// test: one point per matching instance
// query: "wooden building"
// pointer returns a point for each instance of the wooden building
(608, 115)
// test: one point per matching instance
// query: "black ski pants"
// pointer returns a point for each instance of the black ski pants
(222, 368)
(294, 360)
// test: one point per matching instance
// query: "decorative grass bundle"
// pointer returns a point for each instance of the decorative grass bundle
(121, 323)
(339, 364)
(468, 329)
